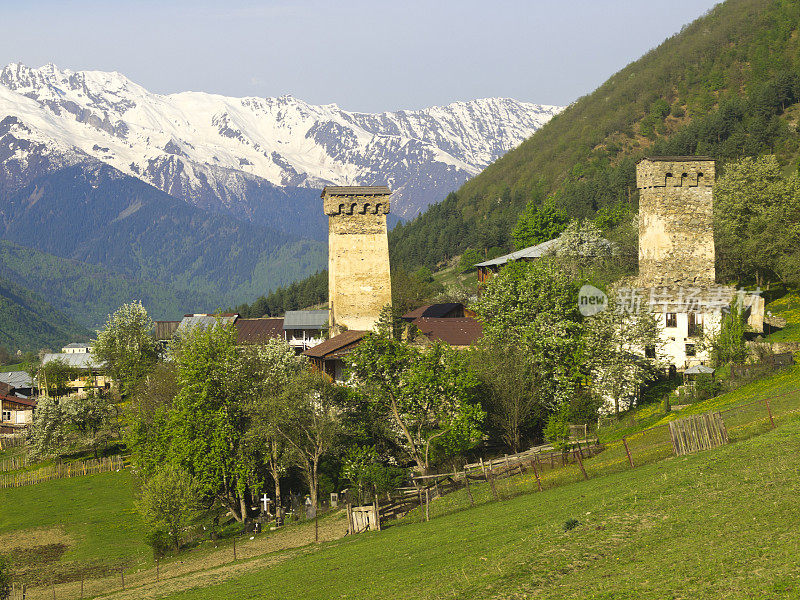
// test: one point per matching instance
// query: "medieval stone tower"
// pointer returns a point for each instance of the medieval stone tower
(359, 285)
(676, 235)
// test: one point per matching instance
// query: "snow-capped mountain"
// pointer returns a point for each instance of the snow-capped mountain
(227, 154)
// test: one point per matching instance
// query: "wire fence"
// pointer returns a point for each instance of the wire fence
(92, 466)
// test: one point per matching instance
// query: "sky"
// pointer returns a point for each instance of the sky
(362, 55)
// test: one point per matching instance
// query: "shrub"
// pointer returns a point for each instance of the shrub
(570, 524)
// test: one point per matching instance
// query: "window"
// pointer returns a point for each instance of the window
(6, 415)
(690, 350)
(695, 325)
(650, 351)
(672, 320)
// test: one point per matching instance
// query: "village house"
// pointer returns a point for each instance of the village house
(304, 329)
(444, 310)
(489, 268)
(676, 258)
(16, 412)
(91, 376)
(328, 357)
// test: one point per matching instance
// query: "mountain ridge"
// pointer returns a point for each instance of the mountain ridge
(207, 148)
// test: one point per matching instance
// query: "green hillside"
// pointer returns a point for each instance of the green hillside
(89, 293)
(714, 525)
(27, 322)
(727, 85)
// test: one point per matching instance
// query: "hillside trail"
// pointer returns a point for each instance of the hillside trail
(208, 568)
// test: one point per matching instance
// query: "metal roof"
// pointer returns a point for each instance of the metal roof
(356, 190)
(79, 360)
(530, 252)
(305, 319)
(79, 345)
(204, 320)
(699, 370)
(258, 331)
(17, 379)
(337, 346)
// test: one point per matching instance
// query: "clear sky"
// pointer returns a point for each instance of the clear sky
(369, 55)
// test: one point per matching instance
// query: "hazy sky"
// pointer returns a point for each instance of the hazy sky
(363, 55)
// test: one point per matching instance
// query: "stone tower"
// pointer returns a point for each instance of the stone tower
(676, 235)
(359, 284)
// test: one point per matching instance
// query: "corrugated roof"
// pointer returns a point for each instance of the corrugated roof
(456, 332)
(79, 360)
(356, 190)
(699, 370)
(305, 319)
(204, 320)
(258, 331)
(337, 346)
(78, 345)
(17, 379)
(436, 311)
(530, 252)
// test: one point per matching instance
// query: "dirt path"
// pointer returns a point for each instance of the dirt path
(205, 567)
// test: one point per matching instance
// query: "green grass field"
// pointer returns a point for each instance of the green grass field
(788, 307)
(721, 524)
(68, 525)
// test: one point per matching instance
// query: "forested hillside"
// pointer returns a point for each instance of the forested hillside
(727, 86)
(27, 322)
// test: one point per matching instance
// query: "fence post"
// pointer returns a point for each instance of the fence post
(483, 468)
(536, 472)
(491, 484)
(627, 451)
(580, 463)
(769, 412)
(469, 491)
(508, 465)
(427, 504)
(377, 514)
(349, 515)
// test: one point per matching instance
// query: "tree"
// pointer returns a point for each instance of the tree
(127, 346)
(169, 501)
(431, 395)
(206, 421)
(757, 221)
(728, 344)
(468, 260)
(514, 401)
(616, 345)
(47, 432)
(538, 223)
(534, 306)
(582, 249)
(271, 368)
(54, 376)
(90, 416)
(309, 418)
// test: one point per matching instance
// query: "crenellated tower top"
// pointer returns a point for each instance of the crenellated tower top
(675, 171)
(356, 200)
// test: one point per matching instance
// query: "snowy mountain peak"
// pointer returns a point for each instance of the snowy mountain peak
(209, 149)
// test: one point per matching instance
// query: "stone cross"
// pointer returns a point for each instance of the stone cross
(265, 501)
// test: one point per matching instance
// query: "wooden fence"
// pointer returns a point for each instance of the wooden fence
(11, 441)
(698, 432)
(62, 471)
(427, 488)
